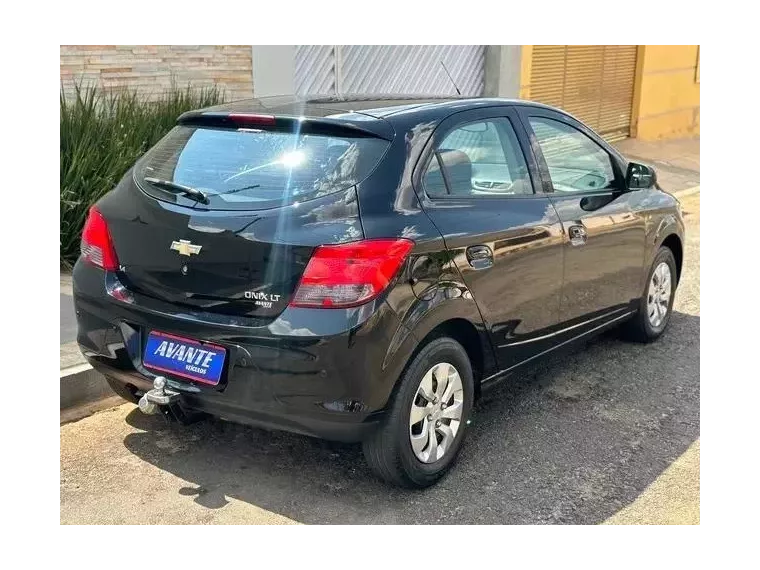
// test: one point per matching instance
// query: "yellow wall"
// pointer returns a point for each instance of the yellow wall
(666, 101)
(666, 96)
(526, 64)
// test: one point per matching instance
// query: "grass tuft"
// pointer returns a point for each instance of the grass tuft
(102, 135)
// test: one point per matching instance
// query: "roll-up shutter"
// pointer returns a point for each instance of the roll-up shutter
(593, 83)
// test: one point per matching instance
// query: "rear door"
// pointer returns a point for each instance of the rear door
(274, 192)
(604, 230)
(479, 184)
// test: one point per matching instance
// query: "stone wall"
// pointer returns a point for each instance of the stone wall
(153, 69)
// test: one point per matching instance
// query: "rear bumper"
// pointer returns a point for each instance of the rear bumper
(347, 428)
(322, 373)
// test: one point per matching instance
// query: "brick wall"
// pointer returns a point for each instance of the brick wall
(151, 69)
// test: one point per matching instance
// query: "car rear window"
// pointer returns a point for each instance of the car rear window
(250, 169)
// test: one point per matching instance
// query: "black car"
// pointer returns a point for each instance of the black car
(358, 270)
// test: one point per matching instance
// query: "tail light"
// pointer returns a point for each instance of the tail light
(350, 274)
(97, 247)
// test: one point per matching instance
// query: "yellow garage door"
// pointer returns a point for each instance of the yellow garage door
(593, 83)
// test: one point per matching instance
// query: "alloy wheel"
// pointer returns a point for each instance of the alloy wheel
(658, 298)
(436, 413)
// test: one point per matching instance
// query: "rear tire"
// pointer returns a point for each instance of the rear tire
(653, 314)
(122, 390)
(401, 451)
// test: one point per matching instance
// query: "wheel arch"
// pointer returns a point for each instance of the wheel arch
(674, 244)
(456, 317)
(465, 333)
(666, 231)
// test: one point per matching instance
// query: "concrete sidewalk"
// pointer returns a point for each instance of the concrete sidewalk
(676, 161)
(68, 318)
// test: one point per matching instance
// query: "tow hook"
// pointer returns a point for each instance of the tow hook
(160, 395)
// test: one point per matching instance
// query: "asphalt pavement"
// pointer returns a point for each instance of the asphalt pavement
(606, 433)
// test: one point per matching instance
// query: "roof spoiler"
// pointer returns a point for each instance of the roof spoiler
(346, 125)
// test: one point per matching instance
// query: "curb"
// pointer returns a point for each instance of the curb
(84, 391)
(81, 411)
(82, 384)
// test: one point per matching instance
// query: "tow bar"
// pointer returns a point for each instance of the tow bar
(167, 401)
(160, 395)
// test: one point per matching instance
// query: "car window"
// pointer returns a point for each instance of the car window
(481, 158)
(576, 163)
(246, 169)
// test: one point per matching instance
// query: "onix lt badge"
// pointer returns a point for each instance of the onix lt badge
(185, 247)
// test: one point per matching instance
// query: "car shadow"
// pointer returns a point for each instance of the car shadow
(571, 441)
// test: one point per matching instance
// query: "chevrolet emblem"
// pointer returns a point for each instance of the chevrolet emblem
(185, 247)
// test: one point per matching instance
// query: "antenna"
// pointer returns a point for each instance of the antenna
(451, 78)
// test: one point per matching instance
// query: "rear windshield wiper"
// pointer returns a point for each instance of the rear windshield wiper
(238, 189)
(193, 193)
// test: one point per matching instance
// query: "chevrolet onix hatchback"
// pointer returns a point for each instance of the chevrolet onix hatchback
(358, 270)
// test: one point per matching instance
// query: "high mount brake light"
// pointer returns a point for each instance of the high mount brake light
(251, 119)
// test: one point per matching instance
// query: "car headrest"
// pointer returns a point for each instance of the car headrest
(458, 170)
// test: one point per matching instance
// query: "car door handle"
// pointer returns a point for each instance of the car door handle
(577, 235)
(480, 256)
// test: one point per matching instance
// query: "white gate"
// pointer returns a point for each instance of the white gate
(315, 70)
(387, 70)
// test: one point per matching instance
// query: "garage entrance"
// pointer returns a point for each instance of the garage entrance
(593, 83)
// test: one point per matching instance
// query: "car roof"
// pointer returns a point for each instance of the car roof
(376, 106)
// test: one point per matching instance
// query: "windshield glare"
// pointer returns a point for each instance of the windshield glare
(250, 169)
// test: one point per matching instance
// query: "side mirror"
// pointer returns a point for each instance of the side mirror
(640, 176)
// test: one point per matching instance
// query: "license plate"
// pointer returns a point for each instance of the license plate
(184, 357)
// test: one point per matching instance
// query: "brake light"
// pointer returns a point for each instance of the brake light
(251, 119)
(97, 247)
(350, 274)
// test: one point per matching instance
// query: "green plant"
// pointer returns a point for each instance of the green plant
(102, 135)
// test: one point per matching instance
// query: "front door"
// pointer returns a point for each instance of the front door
(480, 185)
(604, 234)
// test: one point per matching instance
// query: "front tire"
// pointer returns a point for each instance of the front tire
(656, 304)
(422, 434)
